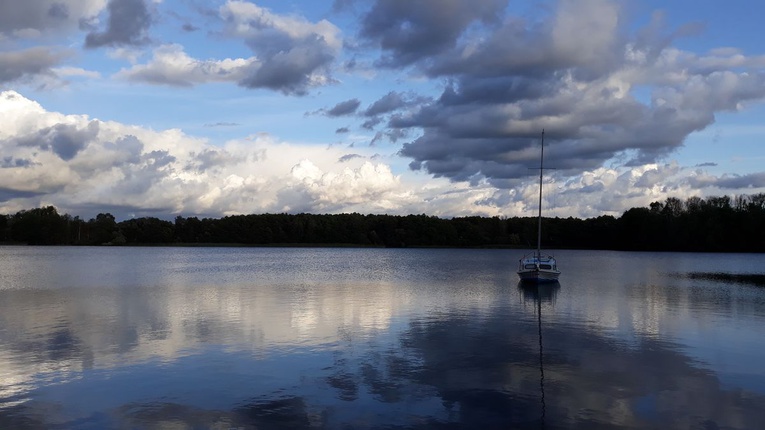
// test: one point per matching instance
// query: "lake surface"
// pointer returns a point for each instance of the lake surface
(261, 338)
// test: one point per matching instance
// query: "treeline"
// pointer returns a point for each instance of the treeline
(714, 224)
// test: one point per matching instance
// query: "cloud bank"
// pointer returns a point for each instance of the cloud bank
(75, 163)
(605, 96)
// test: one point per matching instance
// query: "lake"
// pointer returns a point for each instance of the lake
(328, 338)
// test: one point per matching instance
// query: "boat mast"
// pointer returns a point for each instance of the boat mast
(539, 223)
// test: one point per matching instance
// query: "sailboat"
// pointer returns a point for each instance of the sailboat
(535, 267)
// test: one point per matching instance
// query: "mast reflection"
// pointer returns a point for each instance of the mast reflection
(538, 293)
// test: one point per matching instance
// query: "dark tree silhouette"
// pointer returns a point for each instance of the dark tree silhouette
(715, 224)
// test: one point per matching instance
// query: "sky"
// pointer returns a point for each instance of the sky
(213, 108)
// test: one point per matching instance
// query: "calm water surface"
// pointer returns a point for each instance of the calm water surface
(249, 338)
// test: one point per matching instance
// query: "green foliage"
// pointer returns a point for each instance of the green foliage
(715, 224)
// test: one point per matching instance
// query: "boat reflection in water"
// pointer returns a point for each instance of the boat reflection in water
(538, 293)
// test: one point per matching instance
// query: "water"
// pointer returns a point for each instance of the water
(246, 338)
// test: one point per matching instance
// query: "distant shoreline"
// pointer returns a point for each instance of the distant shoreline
(715, 224)
(355, 246)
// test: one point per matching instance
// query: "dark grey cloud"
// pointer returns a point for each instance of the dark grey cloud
(11, 162)
(388, 103)
(508, 78)
(347, 107)
(371, 123)
(128, 24)
(391, 104)
(498, 89)
(379, 136)
(390, 135)
(293, 54)
(212, 158)
(58, 11)
(139, 178)
(159, 158)
(32, 18)
(410, 30)
(753, 180)
(130, 146)
(29, 63)
(7, 194)
(63, 140)
(349, 157)
(342, 130)
(189, 28)
(708, 164)
(20, 15)
(395, 135)
(289, 71)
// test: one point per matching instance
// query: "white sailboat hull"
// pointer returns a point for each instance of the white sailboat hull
(539, 276)
(538, 268)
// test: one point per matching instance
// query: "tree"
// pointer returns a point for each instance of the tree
(715, 224)
(147, 230)
(673, 207)
(694, 204)
(4, 228)
(103, 229)
(40, 226)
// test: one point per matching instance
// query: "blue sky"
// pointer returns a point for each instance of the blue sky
(212, 108)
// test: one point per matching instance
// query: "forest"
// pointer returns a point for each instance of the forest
(713, 224)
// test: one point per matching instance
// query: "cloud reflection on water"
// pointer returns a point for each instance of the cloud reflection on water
(445, 353)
